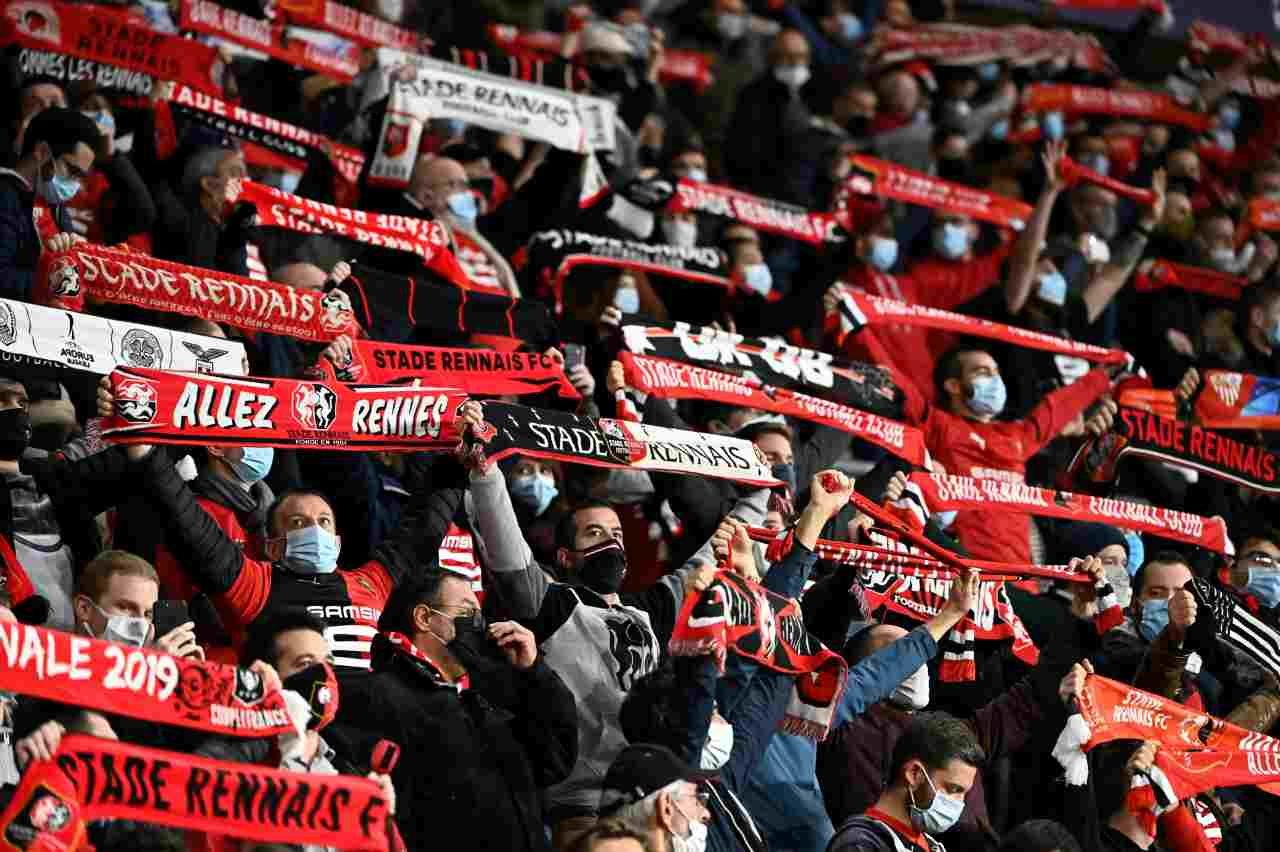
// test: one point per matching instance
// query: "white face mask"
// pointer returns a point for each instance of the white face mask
(791, 76)
(715, 753)
(913, 693)
(631, 217)
(680, 233)
(131, 630)
(697, 839)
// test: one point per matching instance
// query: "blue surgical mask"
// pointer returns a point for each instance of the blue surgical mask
(697, 175)
(254, 465)
(106, 121)
(988, 72)
(758, 277)
(1100, 163)
(1054, 126)
(1273, 334)
(883, 254)
(942, 813)
(1265, 586)
(59, 189)
(627, 300)
(312, 550)
(463, 205)
(1224, 138)
(850, 26)
(951, 240)
(1155, 616)
(1000, 130)
(1052, 288)
(534, 491)
(1229, 116)
(787, 474)
(987, 397)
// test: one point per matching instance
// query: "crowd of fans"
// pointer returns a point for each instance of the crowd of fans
(509, 625)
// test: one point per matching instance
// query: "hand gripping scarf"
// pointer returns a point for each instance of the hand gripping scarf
(769, 361)
(673, 380)
(872, 177)
(475, 371)
(155, 407)
(268, 37)
(1155, 275)
(735, 614)
(542, 433)
(65, 279)
(1085, 100)
(141, 683)
(763, 214)
(94, 779)
(1223, 400)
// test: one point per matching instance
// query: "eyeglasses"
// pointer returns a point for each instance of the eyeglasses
(467, 611)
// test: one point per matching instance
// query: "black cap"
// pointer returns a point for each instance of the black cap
(640, 770)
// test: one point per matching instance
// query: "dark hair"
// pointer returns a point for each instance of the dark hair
(260, 644)
(949, 367)
(656, 710)
(289, 495)
(936, 739)
(1110, 781)
(567, 528)
(1040, 835)
(127, 835)
(1259, 532)
(1164, 557)
(422, 588)
(63, 129)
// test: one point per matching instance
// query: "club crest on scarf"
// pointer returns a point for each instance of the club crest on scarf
(38, 20)
(204, 357)
(335, 312)
(314, 406)
(141, 348)
(135, 401)
(64, 279)
(396, 139)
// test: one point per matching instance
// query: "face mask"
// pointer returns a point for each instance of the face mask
(697, 175)
(603, 567)
(942, 813)
(791, 76)
(1265, 586)
(469, 633)
(1229, 116)
(106, 122)
(987, 397)
(1224, 139)
(534, 492)
(718, 748)
(391, 10)
(1223, 259)
(312, 550)
(59, 189)
(254, 465)
(627, 300)
(1000, 130)
(912, 693)
(463, 205)
(1273, 337)
(850, 26)
(1100, 163)
(15, 432)
(1155, 616)
(1053, 126)
(680, 233)
(758, 277)
(1052, 288)
(945, 519)
(988, 72)
(631, 217)
(732, 27)
(883, 253)
(318, 684)
(951, 240)
(131, 630)
(787, 474)
(697, 839)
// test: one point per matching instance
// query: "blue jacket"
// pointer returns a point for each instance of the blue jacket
(19, 242)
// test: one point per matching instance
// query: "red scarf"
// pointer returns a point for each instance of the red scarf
(205, 16)
(957, 44)
(961, 492)
(674, 380)
(1085, 100)
(351, 24)
(763, 214)
(475, 371)
(139, 682)
(153, 406)
(1204, 37)
(734, 614)
(398, 643)
(856, 311)
(105, 779)
(886, 180)
(65, 279)
(1224, 400)
(1073, 173)
(1158, 274)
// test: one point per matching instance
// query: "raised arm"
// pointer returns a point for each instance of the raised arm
(1022, 263)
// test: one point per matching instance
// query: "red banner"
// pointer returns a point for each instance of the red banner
(142, 683)
(349, 23)
(1072, 172)
(204, 16)
(961, 492)
(1158, 274)
(156, 407)
(112, 36)
(1086, 100)
(115, 780)
(66, 279)
(886, 180)
(961, 44)
(475, 371)
(763, 214)
(674, 380)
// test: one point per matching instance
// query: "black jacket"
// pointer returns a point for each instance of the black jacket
(469, 774)
(19, 242)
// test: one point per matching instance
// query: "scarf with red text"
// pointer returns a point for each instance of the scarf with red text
(1223, 400)
(1086, 100)
(872, 177)
(109, 36)
(155, 407)
(855, 311)
(542, 433)
(264, 36)
(105, 779)
(735, 614)
(65, 279)
(351, 24)
(473, 371)
(763, 214)
(961, 44)
(142, 683)
(1074, 173)
(1155, 275)
(674, 380)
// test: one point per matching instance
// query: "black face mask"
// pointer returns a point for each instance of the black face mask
(469, 632)
(15, 433)
(603, 567)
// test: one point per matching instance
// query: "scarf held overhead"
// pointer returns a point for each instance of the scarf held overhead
(142, 683)
(734, 614)
(558, 252)
(268, 37)
(960, 44)
(152, 406)
(764, 214)
(1224, 400)
(107, 780)
(1085, 100)
(1155, 275)
(674, 380)
(343, 20)
(65, 279)
(872, 177)
(543, 433)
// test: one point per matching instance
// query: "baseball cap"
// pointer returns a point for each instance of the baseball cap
(639, 771)
(752, 429)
